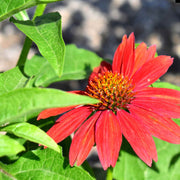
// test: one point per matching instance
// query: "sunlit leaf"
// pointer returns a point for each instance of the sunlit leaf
(32, 133)
(48, 164)
(9, 7)
(79, 63)
(11, 80)
(28, 101)
(9, 146)
(39, 68)
(45, 31)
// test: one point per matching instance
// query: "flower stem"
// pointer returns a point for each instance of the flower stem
(25, 51)
(109, 175)
(28, 42)
(39, 10)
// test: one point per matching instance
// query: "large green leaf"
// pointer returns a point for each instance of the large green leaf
(79, 63)
(31, 133)
(39, 68)
(9, 146)
(129, 166)
(11, 80)
(22, 102)
(44, 164)
(9, 7)
(45, 31)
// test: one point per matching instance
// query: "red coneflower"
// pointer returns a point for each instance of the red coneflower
(127, 106)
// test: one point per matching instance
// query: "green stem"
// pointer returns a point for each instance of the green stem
(39, 10)
(109, 175)
(25, 51)
(28, 42)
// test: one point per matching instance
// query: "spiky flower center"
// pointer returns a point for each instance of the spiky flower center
(112, 89)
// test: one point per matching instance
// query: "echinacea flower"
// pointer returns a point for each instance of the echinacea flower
(127, 106)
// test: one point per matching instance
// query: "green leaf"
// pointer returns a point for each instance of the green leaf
(22, 15)
(129, 166)
(9, 7)
(79, 63)
(11, 80)
(45, 31)
(9, 146)
(5, 175)
(22, 102)
(165, 85)
(31, 133)
(48, 164)
(42, 71)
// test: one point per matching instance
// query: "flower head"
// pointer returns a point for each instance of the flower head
(127, 106)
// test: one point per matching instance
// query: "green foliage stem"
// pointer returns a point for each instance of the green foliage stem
(28, 42)
(25, 51)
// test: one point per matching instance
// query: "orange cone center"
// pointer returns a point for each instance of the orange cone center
(112, 89)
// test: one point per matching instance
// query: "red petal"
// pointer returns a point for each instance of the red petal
(138, 137)
(104, 66)
(68, 123)
(163, 93)
(140, 56)
(108, 138)
(124, 56)
(151, 52)
(160, 127)
(143, 55)
(129, 57)
(118, 55)
(152, 71)
(54, 112)
(83, 141)
(158, 105)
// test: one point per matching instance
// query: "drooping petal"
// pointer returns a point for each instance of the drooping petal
(83, 141)
(162, 93)
(104, 66)
(151, 71)
(108, 138)
(68, 123)
(118, 55)
(158, 105)
(160, 127)
(138, 137)
(54, 112)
